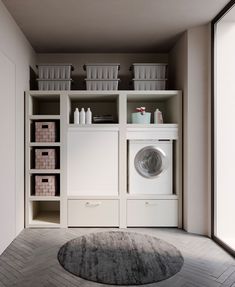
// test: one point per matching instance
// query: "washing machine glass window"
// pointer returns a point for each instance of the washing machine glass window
(150, 162)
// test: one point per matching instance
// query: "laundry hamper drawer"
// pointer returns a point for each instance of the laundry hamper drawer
(152, 213)
(93, 212)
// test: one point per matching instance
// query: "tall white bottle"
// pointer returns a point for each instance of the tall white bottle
(88, 116)
(158, 119)
(76, 116)
(82, 117)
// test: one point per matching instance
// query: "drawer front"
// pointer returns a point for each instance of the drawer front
(93, 212)
(152, 213)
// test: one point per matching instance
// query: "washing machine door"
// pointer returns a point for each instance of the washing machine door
(150, 162)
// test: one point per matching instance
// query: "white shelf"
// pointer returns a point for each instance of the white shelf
(152, 196)
(46, 219)
(103, 127)
(92, 197)
(147, 96)
(46, 144)
(148, 126)
(44, 117)
(44, 198)
(40, 171)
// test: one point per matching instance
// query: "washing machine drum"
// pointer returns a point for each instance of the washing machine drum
(150, 162)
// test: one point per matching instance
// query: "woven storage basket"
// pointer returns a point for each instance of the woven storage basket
(45, 185)
(45, 132)
(45, 158)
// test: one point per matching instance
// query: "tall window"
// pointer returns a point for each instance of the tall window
(224, 128)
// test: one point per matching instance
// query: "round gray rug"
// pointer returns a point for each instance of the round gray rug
(120, 258)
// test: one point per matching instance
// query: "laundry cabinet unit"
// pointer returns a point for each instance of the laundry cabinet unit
(115, 174)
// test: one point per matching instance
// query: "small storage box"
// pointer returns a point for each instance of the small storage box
(54, 71)
(150, 71)
(102, 71)
(102, 85)
(138, 118)
(149, 85)
(45, 158)
(45, 185)
(45, 131)
(54, 85)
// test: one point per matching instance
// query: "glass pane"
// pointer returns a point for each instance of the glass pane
(224, 138)
(149, 162)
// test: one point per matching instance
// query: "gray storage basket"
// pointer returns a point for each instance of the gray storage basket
(102, 71)
(54, 85)
(149, 85)
(151, 71)
(102, 85)
(54, 71)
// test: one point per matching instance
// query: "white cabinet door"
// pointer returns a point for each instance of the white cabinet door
(7, 152)
(92, 162)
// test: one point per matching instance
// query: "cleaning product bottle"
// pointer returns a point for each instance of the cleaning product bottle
(88, 116)
(158, 119)
(76, 116)
(82, 117)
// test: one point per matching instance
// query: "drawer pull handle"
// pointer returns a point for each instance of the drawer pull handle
(93, 204)
(147, 203)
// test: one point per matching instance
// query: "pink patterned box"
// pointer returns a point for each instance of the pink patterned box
(45, 132)
(45, 185)
(45, 158)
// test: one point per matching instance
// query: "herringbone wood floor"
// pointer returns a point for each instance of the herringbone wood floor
(31, 260)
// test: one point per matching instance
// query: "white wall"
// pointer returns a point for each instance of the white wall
(191, 70)
(125, 60)
(16, 55)
(224, 132)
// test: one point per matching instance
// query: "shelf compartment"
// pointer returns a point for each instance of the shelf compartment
(165, 101)
(43, 173)
(32, 129)
(44, 213)
(44, 198)
(45, 149)
(40, 144)
(100, 104)
(44, 105)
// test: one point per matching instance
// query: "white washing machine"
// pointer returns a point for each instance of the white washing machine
(150, 167)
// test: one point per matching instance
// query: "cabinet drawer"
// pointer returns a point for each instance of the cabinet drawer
(93, 212)
(152, 213)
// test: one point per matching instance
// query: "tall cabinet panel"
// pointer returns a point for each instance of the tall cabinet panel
(7, 152)
(92, 162)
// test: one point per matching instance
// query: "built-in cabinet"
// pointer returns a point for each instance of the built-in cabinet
(92, 172)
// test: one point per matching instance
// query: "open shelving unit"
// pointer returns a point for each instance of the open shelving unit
(41, 211)
(74, 202)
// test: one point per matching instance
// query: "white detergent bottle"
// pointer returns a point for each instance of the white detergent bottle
(82, 117)
(76, 116)
(158, 119)
(88, 116)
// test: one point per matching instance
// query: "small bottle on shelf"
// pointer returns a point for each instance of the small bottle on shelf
(88, 116)
(158, 119)
(82, 117)
(76, 116)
